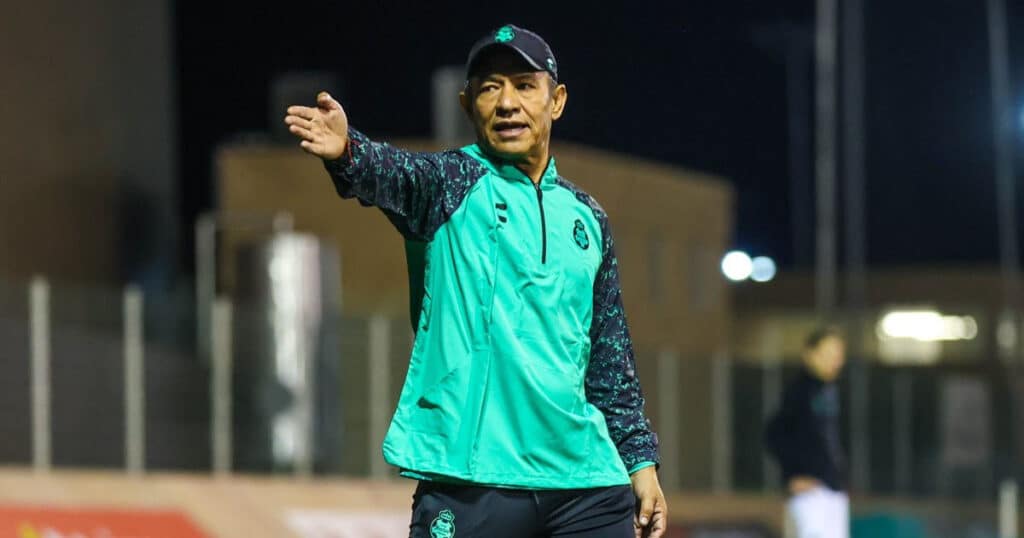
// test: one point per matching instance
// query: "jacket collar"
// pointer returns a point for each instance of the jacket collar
(508, 171)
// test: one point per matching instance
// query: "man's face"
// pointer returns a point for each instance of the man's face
(512, 105)
(826, 360)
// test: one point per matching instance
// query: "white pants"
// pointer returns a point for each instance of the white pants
(819, 513)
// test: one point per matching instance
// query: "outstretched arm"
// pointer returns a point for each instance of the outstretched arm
(410, 188)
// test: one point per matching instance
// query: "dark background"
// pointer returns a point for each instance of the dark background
(682, 82)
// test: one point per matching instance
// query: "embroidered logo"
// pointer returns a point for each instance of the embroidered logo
(551, 64)
(504, 34)
(443, 525)
(579, 234)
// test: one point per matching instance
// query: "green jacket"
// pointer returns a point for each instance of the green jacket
(522, 372)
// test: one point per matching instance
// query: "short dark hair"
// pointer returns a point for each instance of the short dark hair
(818, 335)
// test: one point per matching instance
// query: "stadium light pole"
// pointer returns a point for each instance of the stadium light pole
(790, 44)
(1009, 255)
(1002, 123)
(825, 155)
(854, 175)
(854, 233)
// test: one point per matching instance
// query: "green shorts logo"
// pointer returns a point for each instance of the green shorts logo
(443, 525)
(504, 34)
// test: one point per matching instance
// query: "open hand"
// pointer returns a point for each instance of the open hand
(323, 129)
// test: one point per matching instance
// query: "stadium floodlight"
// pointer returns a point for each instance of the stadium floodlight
(763, 269)
(737, 266)
(927, 326)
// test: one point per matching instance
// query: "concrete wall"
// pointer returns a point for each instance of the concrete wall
(87, 139)
(670, 227)
(772, 319)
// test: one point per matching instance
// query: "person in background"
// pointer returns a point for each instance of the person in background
(804, 437)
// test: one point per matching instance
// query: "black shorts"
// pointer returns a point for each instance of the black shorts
(449, 511)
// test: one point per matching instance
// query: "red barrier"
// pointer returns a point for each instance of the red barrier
(34, 522)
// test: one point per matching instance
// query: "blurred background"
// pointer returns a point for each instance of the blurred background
(194, 326)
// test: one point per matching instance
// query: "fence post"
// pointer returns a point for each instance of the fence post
(134, 381)
(903, 410)
(669, 415)
(771, 397)
(39, 313)
(1008, 503)
(379, 393)
(721, 423)
(305, 405)
(220, 386)
(206, 281)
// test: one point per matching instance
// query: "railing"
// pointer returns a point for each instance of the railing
(112, 379)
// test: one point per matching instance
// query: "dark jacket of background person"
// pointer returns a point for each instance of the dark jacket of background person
(804, 434)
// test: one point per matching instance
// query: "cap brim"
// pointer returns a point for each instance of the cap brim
(489, 47)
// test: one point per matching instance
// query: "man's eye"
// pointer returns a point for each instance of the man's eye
(488, 88)
(525, 86)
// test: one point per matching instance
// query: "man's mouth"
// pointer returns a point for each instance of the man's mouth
(509, 129)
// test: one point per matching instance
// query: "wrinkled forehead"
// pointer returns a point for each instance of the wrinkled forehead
(502, 61)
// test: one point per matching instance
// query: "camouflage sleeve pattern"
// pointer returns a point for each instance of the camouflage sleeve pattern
(611, 382)
(417, 191)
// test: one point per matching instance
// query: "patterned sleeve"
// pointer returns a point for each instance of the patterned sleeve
(417, 191)
(611, 382)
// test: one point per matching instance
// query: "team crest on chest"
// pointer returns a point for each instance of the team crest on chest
(579, 234)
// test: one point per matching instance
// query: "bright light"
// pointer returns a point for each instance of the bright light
(737, 266)
(763, 269)
(927, 326)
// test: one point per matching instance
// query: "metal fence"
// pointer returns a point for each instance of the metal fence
(114, 379)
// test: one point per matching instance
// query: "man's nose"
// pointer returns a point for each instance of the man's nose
(507, 102)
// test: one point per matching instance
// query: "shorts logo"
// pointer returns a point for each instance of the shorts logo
(504, 34)
(443, 525)
(579, 234)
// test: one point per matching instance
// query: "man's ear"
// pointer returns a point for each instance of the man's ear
(465, 102)
(558, 97)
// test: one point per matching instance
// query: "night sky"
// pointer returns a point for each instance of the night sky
(684, 82)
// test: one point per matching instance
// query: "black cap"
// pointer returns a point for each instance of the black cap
(529, 45)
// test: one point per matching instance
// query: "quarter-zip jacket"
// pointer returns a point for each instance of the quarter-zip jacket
(522, 372)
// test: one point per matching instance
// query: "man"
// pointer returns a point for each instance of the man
(521, 414)
(804, 437)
